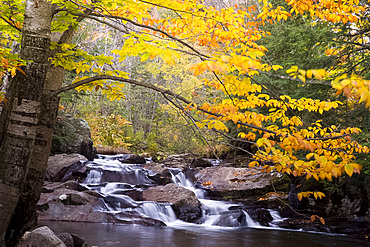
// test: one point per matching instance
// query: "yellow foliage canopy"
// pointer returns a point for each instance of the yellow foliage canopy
(225, 56)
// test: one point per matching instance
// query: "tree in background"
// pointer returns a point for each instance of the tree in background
(223, 43)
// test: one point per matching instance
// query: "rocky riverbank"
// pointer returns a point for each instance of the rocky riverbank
(65, 199)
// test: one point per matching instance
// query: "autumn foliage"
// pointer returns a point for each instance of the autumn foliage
(226, 56)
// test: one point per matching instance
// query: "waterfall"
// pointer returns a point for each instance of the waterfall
(116, 182)
(276, 218)
(249, 221)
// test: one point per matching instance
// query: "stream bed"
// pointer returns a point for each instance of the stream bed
(112, 178)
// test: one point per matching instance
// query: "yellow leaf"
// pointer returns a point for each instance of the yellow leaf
(322, 220)
(292, 69)
(276, 67)
(349, 169)
(313, 217)
(218, 125)
(253, 164)
(309, 74)
(299, 195)
(260, 142)
(318, 73)
(235, 118)
(199, 68)
(309, 156)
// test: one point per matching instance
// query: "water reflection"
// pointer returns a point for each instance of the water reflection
(108, 235)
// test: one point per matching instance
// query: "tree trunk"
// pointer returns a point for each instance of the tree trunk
(24, 135)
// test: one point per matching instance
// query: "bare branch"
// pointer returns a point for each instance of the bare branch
(10, 23)
(92, 15)
(151, 86)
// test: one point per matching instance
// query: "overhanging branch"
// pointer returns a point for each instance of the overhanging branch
(153, 87)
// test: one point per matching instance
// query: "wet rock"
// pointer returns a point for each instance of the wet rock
(233, 218)
(67, 239)
(158, 173)
(68, 205)
(65, 167)
(41, 236)
(65, 196)
(118, 202)
(156, 168)
(181, 161)
(184, 202)
(305, 225)
(72, 185)
(260, 215)
(199, 162)
(346, 198)
(72, 135)
(78, 241)
(132, 159)
(72, 240)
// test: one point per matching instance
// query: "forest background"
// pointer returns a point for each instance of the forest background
(285, 82)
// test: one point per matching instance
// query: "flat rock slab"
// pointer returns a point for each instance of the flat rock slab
(237, 183)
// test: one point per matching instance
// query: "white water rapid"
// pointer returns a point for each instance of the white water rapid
(115, 181)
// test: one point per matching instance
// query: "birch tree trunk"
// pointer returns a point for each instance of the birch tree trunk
(24, 134)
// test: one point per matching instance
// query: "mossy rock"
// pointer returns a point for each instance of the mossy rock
(72, 135)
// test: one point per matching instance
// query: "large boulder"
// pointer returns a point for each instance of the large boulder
(41, 236)
(239, 183)
(72, 135)
(63, 167)
(184, 202)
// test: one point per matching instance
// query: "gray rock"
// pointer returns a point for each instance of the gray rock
(67, 239)
(60, 164)
(237, 183)
(181, 161)
(41, 236)
(52, 186)
(78, 241)
(69, 205)
(233, 218)
(185, 204)
(132, 159)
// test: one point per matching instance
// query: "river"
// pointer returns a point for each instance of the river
(109, 235)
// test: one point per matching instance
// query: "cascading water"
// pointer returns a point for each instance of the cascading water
(115, 181)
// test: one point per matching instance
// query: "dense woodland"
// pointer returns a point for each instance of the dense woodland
(284, 82)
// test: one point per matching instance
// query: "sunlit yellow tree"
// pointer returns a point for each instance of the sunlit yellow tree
(226, 56)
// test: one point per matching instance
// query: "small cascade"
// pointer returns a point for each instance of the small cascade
(158, 211)
(249, 221)
(93, 177)
(276, 218)
(119, 182)
(179, 178)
